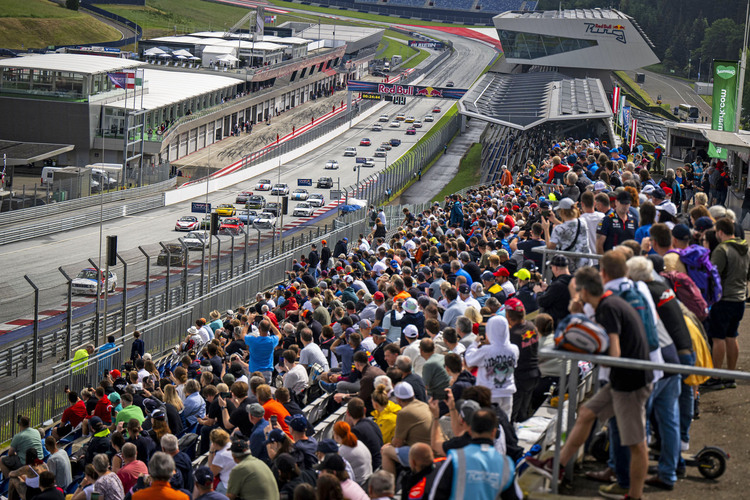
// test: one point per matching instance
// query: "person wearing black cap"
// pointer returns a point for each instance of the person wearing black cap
(99, 442)
(289, 475)
(250, 479)
(617, 225)
(554, 299)
(333, 464)
(204, 485)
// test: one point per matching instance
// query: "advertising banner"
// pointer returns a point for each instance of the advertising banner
(724, 102)
(421, 44)
(406, 90)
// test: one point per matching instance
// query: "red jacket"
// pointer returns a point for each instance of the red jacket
(559, 169)
(103, 409)
(75, 414)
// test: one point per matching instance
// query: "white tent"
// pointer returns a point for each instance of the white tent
(153, 51)
(228, 58)
(182, 52)
(165, 55)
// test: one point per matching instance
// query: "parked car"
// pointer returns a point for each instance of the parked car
(242, 197)
(255, 201)
(263, 185)
(85, 282)
(225, 210)
(316, 200)
(300, 195)
(376, 127)
(280, 189)
(303, 209)
(411, 131)
(325, 182)
(395, 142)
(364, 142)
(350, 152)
(381, 152)
(197, 240)
(176, 255)
(186, 223)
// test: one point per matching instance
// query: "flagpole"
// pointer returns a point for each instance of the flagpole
(743, 64)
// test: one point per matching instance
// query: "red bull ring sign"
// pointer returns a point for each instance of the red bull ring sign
(405, 90)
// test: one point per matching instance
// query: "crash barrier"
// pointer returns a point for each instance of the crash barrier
(572, 388)
(45, 400)
(59, 208)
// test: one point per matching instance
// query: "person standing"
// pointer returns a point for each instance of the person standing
(261, 349)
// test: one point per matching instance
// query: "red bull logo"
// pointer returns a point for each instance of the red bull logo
(395, 89)
(429, 92)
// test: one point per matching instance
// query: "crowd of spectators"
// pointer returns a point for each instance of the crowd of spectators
(428, 334)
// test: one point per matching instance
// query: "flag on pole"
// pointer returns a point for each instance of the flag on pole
(620, 115)
(633, 134)
(615, 99)
(123, 80)
(626, 117)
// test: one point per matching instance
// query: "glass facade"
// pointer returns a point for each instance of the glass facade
(49, 83)
(518, 45)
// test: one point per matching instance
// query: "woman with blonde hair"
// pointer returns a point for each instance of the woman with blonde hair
(385, 411)
(474, 315)
(353, 451)
(172, 397)
(220, 458)
(180, 377)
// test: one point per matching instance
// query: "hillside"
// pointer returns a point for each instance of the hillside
(40, 23)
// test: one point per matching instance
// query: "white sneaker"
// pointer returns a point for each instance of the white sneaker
(684, 446)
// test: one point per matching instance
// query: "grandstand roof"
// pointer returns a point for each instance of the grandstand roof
(75, 63)
(523, 101)
(564, 14)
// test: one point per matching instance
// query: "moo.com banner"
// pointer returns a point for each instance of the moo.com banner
(726, 74)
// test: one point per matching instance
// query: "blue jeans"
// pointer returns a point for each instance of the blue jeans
(619, 455)
(664, 402)
(686, 401)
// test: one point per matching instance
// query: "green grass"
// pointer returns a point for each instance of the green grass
(413, 62)
(395, 49)
(468, 172)
(41, 23)
(709, 99)
(358, 15)
(634, 87)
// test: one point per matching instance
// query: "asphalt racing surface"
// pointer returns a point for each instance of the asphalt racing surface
(40, 258)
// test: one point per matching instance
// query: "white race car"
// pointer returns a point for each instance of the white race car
(350, 152)
(280, 189)
(263, 185)
(303, 209)
(196, 240)
(316, 200)
(186, 223)
(332, 165)
(384, 118)
(265, 220)
(85, 282)
(300, 195)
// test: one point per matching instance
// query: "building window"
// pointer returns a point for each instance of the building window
(519, 45)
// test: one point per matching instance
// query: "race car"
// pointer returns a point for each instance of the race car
(280, 190)
(417, 124)
(429, 118)
(436, 109)
(350, 152)
(395, 124)
(242, 197)
(303, 209)
(376, 127)
(316, 200)
(273, 208)
(263, 185)
(369, 162)
(225, 210)
(383, 118)
(175, 255)
(255, 201)
(265, 220)
(449, 83)
(364, 142)
(300, 195)
(205, 224)
(411, 131)
(325, 183)
(85, 282)
(395, 142)
(247, 216)
(186, 223)
(381, 152)
(196, 240)
(231, 226)
(409, 119)
(401, 117)
(386, 145)
(332, 165)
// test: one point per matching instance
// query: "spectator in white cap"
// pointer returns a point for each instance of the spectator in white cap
(412, 350)
(412, 317)
(413, 424)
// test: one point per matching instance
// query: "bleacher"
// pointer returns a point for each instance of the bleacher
(504, 5)
(409, 3)
(453, 4)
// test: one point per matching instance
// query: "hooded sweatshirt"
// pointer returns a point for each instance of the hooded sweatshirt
(496, 361)
(557, 172)
(732, 260)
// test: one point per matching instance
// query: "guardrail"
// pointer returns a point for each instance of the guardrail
(50, 225)
(52, 209)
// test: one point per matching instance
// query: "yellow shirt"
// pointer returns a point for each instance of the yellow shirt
(80, 361)
(386, 420)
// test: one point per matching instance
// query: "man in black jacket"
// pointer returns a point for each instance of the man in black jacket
(325, 255)
(313, 258)
(554, 298)
(340, 248)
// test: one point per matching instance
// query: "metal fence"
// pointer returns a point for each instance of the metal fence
(160, 330)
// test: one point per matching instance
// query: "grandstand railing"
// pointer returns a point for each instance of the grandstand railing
(602, 360)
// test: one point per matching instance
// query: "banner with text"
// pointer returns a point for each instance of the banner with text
(421, 44)
(406, 90)
(724, 102)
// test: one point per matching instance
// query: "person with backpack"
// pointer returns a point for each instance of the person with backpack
(732, 262)
(623, 399)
